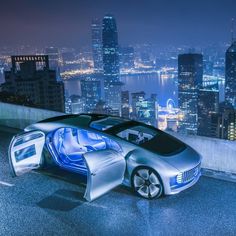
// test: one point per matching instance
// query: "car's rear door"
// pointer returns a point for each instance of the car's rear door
(105, 171)
(25, 152)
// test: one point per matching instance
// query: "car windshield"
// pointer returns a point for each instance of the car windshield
(152, 139)
(106, 123)
(138, 134)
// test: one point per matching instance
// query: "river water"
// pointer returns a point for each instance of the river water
(164, 86)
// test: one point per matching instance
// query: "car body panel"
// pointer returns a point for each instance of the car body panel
(185, 160)
(106, 171)
(123, 163)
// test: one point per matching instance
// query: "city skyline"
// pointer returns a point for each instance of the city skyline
(110, 68)
(159, 22)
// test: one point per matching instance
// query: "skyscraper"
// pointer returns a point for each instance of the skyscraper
(40, 86)
(208, 104)
(111, 70)
(54, 60)
(144, 110)
(97, 45)
(223, 123)
(77, 104)
(190, 74)
(125, 104)
(90, 92)
(230, 75)
(136, 97)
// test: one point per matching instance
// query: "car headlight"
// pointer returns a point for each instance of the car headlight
(179, 178)
(176, 180)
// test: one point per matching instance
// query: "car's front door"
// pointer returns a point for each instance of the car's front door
(25, 152)
(105, 171)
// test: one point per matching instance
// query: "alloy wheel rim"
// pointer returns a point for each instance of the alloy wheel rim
(146, 183)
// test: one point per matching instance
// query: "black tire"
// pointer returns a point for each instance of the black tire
(147, 183)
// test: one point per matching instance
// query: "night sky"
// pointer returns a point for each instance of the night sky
(67, 22)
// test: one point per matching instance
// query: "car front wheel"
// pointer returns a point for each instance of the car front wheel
(147, 183)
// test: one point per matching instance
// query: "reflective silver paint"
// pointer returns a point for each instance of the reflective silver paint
(135, 156)
(105, 171)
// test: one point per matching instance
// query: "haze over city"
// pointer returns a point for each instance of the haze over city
(169, 64)
(161, 22)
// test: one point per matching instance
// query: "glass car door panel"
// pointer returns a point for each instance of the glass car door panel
(25, 152)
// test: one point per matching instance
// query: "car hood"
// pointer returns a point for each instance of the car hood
(164, 144)
(185, 160)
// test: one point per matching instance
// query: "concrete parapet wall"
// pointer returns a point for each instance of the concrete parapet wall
(218, 154)
(19, 117)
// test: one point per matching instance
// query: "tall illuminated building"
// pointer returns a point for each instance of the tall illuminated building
(145, 110)
(77, 104)
(90, 92)
(208, 105)
(232, 125)
(96, 28)
(54, 59)
(111, 70)
(190, 75)
(230, 75)
(31, 76)
(223, 123)
(125, 104)
(136, 97)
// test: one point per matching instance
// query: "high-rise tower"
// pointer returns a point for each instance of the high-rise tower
(230, 75)
(111, 70)
(190, 74)
(39, 85)
(97, 45)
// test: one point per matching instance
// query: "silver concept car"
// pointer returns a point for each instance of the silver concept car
(110, 151)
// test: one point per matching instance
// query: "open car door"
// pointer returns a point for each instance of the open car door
(25, 152)
(106, 170)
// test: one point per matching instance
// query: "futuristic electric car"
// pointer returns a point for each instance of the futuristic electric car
(110, 151)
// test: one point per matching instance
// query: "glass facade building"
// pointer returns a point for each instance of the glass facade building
(90, 92)
(111, 70)
(190, 75)
(230, 75)
(125, 104)
(145, 110)
(40, 86)
(97, 45)
(208, 104)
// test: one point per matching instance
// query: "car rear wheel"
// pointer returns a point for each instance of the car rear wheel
(147, 183)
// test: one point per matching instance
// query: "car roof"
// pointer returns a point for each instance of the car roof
(84, 119)
(68, 116)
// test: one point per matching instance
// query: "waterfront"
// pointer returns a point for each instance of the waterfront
(164, 85)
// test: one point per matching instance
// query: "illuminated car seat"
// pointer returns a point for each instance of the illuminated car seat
(91, 140)
(70, 147)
